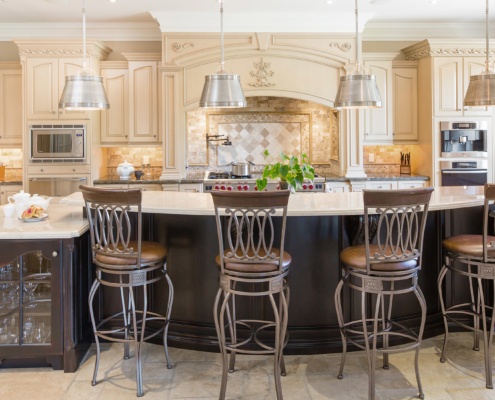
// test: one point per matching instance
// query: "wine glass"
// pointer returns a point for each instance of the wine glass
(30, 287)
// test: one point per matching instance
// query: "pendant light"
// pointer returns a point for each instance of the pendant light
(481, 89)
(358, 89)
(84, 91)
(222, 89)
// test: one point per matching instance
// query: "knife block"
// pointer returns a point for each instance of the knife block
(405, 170)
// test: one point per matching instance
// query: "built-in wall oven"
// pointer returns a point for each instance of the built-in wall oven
(464, 156)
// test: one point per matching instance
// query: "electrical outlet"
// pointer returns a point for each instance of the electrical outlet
(371, 157)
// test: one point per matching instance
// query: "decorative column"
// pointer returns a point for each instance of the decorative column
(171, 122)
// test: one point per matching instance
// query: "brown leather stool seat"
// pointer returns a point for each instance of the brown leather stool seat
(252, 273)
(355, 257)
(378, 271)
(469, 260)
(127, 265)
(151, 253)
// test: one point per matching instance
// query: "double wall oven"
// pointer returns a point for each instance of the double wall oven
(464, 153)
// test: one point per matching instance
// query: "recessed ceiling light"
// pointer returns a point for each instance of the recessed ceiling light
(433, 1)
(329, 1)
(59, 1)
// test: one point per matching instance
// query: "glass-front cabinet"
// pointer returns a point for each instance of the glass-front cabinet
(41, 283)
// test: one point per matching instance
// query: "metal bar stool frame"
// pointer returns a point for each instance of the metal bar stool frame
(120, 263)
(384, 270)
(472, 256)
(250, 265)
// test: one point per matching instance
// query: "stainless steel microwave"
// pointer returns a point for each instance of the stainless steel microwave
(52, 143)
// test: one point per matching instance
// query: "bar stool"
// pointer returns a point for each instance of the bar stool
(127, 263)
(473, 257)
(381, 271)
(251, 266)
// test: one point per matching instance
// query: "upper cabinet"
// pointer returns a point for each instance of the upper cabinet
(10, 104)
(46, 64)
(405, 101)
(115, 120)
(451, 80)
(45, 83)
(133, 94)
(378, 122)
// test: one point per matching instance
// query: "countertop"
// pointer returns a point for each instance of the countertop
(64, 221)
(199, 177)
(300, 204)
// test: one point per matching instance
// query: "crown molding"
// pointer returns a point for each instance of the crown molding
(142, 31)
(446, 48)
(375, 31)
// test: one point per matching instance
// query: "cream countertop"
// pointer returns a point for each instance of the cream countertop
(63, 222)
(300, 204)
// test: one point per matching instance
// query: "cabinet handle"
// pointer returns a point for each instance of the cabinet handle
(379, 187)
(54, 254)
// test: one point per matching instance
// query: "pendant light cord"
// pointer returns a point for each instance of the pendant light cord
(487, 63)
(358, 63)
(222, 60)
(84, 65)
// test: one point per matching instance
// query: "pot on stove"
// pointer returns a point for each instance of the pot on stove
(241, 169)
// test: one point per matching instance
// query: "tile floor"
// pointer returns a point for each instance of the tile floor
(196, 375)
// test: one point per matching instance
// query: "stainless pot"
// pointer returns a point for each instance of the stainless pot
(241, 169)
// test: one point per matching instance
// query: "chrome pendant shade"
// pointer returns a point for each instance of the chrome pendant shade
(358, 89)
(222, 89)
(84, 91)
(481, 89)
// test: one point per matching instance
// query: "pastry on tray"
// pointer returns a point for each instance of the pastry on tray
(33, 211)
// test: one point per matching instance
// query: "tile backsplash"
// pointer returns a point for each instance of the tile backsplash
(135, 156)
(387, 158)
(12, 160)
(268, 123)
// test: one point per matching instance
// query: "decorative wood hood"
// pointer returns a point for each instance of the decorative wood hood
(305, 66)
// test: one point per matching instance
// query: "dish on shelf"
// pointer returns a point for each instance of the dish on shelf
(41, 218)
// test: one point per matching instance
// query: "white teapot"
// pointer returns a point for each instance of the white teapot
(18, 197)
(124, 170)
(39, 201)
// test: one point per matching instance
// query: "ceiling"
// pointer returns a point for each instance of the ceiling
(21, 17)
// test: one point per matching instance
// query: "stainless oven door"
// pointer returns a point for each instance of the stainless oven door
(58, 186)
(464, 177)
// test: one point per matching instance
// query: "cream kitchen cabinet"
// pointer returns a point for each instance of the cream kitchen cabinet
(10, 104)
(381, 185)
(115, 121)
(378, 122)
(336, 187)
(451, 80)
(45, 82)
(191, 187)
(134, 91)
(8, 190)
(411, 184)
(405, 103)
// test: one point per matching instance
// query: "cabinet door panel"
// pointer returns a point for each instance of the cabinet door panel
(115, 121)
(449, 87)
(11, 107)
(42, 89)
(405, 104)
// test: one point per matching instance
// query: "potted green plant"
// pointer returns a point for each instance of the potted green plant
(290, 170)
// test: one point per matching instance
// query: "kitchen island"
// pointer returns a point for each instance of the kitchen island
(45, 275)
(319, 226)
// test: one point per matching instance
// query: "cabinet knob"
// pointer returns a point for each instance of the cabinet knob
(73, 170)
(42, 170)
(54, 254)
(54, 112)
